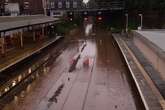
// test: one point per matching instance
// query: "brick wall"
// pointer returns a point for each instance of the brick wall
(33, 6)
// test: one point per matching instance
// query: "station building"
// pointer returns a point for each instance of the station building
(2, 8)
(60, 7)
(26, 7)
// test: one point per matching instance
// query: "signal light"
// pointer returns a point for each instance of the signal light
(86, 19)
(71, 13)
(85, 13)
(99, 18)
(99, 13)
(71, 19)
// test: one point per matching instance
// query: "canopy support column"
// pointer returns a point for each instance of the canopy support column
(43, 31)
(3, 45)
(34, 35)
(21, 38)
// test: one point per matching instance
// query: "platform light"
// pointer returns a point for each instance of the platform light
(19, 78)
(85, 1)
(28, 88)
(6, 89)
(13, 83)
(45, 69)
(29, 70)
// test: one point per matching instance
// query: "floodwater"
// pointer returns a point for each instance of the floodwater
(88, 29)
(100, 80)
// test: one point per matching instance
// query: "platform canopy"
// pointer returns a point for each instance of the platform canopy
(14, 23)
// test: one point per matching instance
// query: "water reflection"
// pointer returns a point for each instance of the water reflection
(16, 88)
(88, 29)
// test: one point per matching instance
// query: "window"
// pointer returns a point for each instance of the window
(26, 5)
(52, 5)
(67, 4)
(59, 4)
(74, 4)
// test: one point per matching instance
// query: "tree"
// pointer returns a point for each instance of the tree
(145, 4)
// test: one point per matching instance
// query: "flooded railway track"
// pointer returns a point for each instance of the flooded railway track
(108, 85)
(31, 68)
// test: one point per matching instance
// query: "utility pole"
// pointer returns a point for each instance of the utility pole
(44, 4)
(141, 21)
(126, 15)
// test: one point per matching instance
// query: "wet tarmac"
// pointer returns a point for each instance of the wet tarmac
(100, 80)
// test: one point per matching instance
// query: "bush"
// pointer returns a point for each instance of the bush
(64, 27)
(115, 30)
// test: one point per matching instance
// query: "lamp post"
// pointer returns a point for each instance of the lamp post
(126, 15)
(44, 5)
(141, 21)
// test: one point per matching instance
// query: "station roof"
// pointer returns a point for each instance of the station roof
(12, 23)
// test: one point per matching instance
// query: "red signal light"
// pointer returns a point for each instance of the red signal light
(86, 19)
(99, 18)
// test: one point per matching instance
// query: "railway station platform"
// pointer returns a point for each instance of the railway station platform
(149, 94)
(156, 37)
(16, 55)
(148, 46)
(102, 85)
(151, 44)
(149, 49)
(23, 36)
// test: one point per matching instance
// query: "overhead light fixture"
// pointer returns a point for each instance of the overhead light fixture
(86, 19)
(85, 1)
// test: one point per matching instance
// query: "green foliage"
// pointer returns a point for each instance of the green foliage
(145, 4)
(115, 30)
(133, 25)
(65, 26)
(115, 26)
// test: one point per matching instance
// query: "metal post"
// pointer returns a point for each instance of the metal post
(43, 33)
(3, 44)
(126, 22)
(141, 20)
(44, 3)
(45, 12)
(21, 38)
(34, 35)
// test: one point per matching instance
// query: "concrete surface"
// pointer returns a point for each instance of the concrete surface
(157, 37)
(152, 47)
(143, 83)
